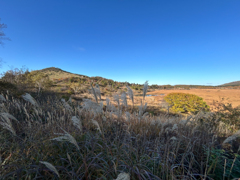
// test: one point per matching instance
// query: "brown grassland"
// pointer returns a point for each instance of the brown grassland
(231, 96)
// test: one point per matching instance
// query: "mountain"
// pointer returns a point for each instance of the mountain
(56, 73)
(234, 83)
(59, 74)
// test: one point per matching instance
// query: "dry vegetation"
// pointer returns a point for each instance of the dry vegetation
(108, 132)
(231, 96)
(50, 138)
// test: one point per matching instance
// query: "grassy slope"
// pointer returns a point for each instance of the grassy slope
(57, 73)
(234, 83)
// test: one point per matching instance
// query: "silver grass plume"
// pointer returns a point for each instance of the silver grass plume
(2, 98)
(130, 93)
(116, 98)
(50, 166)
(49, 115)
(145, 115)
(94, 93)
(98, 92)
(124, 99)
(9, 116)
(70, 100)
(6, 122)
(145, 88)
(67, 106)
(88, 104)
(123, 176)
(36, 111)
(3, 108)
(108, 103)
(231, 138)
(173, 138)
(174, 128)
(66, 137)
(118, 113)
(29, 98)
(184, 122)
(18, 106)
(6, 159)
(162, 127)
(158, 122)
(69, 158)
(77, 123)
(96, 124)
(128, 116)
(142, 109)
(91, 106)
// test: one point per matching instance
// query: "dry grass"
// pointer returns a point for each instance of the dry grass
(231, 96)
(66, 140)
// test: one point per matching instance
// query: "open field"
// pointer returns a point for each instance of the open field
(231, 96)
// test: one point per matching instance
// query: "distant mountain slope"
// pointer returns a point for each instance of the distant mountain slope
(56, 73)
(234, 83)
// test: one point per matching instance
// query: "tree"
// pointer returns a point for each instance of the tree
(17, 77)
(2, 34)
(185, 103)
(39, 80)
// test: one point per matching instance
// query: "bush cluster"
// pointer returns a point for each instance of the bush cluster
(186, 103)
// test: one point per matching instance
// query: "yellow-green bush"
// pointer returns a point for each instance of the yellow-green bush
(184, 103)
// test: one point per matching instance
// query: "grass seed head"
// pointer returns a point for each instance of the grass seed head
(6, 122)
(130, 93)
(145, 88)
(3, 108)
(124, 99)
(2, 98)
(96, 123)
(77, 123)
(50, 166)
(29, 98)
(232, 138)
(66, 137)
(123, 176)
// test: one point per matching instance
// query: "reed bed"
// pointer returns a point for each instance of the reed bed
(50, 138)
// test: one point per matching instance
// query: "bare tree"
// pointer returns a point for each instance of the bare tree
(41, 81)
(2, 34)
(2, 37)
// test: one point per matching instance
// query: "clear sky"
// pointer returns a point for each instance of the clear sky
(163, 41)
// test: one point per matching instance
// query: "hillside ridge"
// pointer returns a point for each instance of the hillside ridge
(234, 83)
(55, 69)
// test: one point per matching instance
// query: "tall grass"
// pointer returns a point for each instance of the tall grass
(49, 138)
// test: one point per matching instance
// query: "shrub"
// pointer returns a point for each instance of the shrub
(228, 114)
(185, 103)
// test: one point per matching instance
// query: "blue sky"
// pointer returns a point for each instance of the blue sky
(165, 42)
